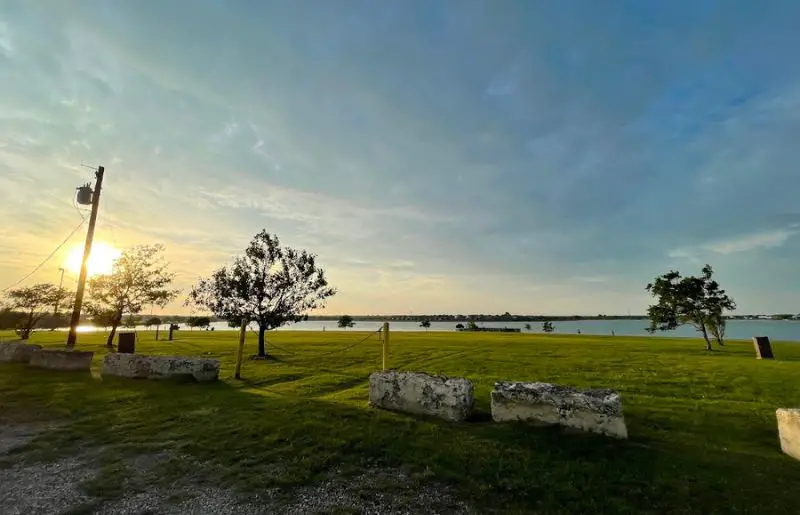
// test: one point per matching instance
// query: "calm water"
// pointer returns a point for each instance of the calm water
(737, 329)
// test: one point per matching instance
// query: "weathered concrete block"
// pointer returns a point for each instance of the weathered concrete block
(599, 411)
(789, 431)
(137, 366)
(17, 352)
(67, 360)
(422, 394)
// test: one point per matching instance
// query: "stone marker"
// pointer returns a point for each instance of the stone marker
(17, 352)
(137, 366)
(598, 411)
(422, 394)
(66, 360)
(763, 347)
(126, 343)
(789, 431)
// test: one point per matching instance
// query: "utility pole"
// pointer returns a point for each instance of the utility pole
(87, 249)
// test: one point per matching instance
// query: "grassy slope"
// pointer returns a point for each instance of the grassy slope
(703, 435)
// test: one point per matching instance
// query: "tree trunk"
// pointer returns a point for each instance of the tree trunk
(705, 337)
(262, 348)
(110, 341)
(157, 328)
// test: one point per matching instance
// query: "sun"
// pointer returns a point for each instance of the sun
(101, 260)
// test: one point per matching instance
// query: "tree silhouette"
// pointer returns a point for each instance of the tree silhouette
(698, 301)
(346, 321)
(139, 277)
(33, 303)
(271, 285)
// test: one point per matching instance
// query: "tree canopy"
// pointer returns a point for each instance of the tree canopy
(270, 285)
(201, 321)
(698, 301)
(346, 321)
(138, 278)
(33, 303)
(548, 327)
(426, 324)
(152, 321)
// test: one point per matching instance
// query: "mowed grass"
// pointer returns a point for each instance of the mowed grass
(703, 435)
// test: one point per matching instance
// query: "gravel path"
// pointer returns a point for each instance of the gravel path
(33, 487)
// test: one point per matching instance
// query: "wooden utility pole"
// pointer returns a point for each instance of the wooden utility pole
(240, 351)
(87, 249)
(385, 346)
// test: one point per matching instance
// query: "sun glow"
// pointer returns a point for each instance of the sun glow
(101, 260)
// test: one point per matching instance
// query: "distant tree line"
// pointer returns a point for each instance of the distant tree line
(506, 317)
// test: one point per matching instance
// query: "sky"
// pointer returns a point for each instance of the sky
(438, 156)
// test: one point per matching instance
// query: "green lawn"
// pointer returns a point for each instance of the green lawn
(702, 426)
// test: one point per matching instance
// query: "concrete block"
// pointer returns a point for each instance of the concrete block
(598, 411)
(66, 360)
(789, 431)
(137, 366)
(422, 394)
(17, 352)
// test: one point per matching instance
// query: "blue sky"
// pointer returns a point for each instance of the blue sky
(464, 156)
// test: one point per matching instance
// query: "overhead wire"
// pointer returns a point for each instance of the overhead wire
(45, 260)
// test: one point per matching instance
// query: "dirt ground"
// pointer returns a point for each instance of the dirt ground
(82, 481)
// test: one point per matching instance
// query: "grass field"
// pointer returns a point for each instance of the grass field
(702, 426)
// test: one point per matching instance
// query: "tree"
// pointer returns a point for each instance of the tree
(548, 327)
(528, 327)
(130, 322)
(103, 318)
(9, 319)
(716, 326)
(138, 278)
(698, 301)
(270, 285)
(33, 304)
(53, 321)
(200, 322)
(426, 324)
(154, 321)
(459, 326)
(346, 321)
(472, 326)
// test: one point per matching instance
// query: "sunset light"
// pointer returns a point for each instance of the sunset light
(101, 260)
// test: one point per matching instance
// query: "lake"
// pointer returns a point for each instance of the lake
(777, 330)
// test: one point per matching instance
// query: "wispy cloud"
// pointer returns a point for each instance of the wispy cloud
(769, 239)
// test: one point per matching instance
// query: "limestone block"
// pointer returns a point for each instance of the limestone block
(598, 411)
(422, 394)
(17, 352)
(138, 366)
(66, 360)
(789, 431)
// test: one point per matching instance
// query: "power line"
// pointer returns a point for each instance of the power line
(40, 265)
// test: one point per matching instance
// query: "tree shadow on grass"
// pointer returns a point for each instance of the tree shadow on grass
(502, 466)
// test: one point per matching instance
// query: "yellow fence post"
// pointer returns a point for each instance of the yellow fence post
(240, 351)
(385, 346)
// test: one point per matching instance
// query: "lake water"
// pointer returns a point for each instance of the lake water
(777, 330)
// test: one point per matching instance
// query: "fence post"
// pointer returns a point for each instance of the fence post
(385, 346)
(240, 351)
